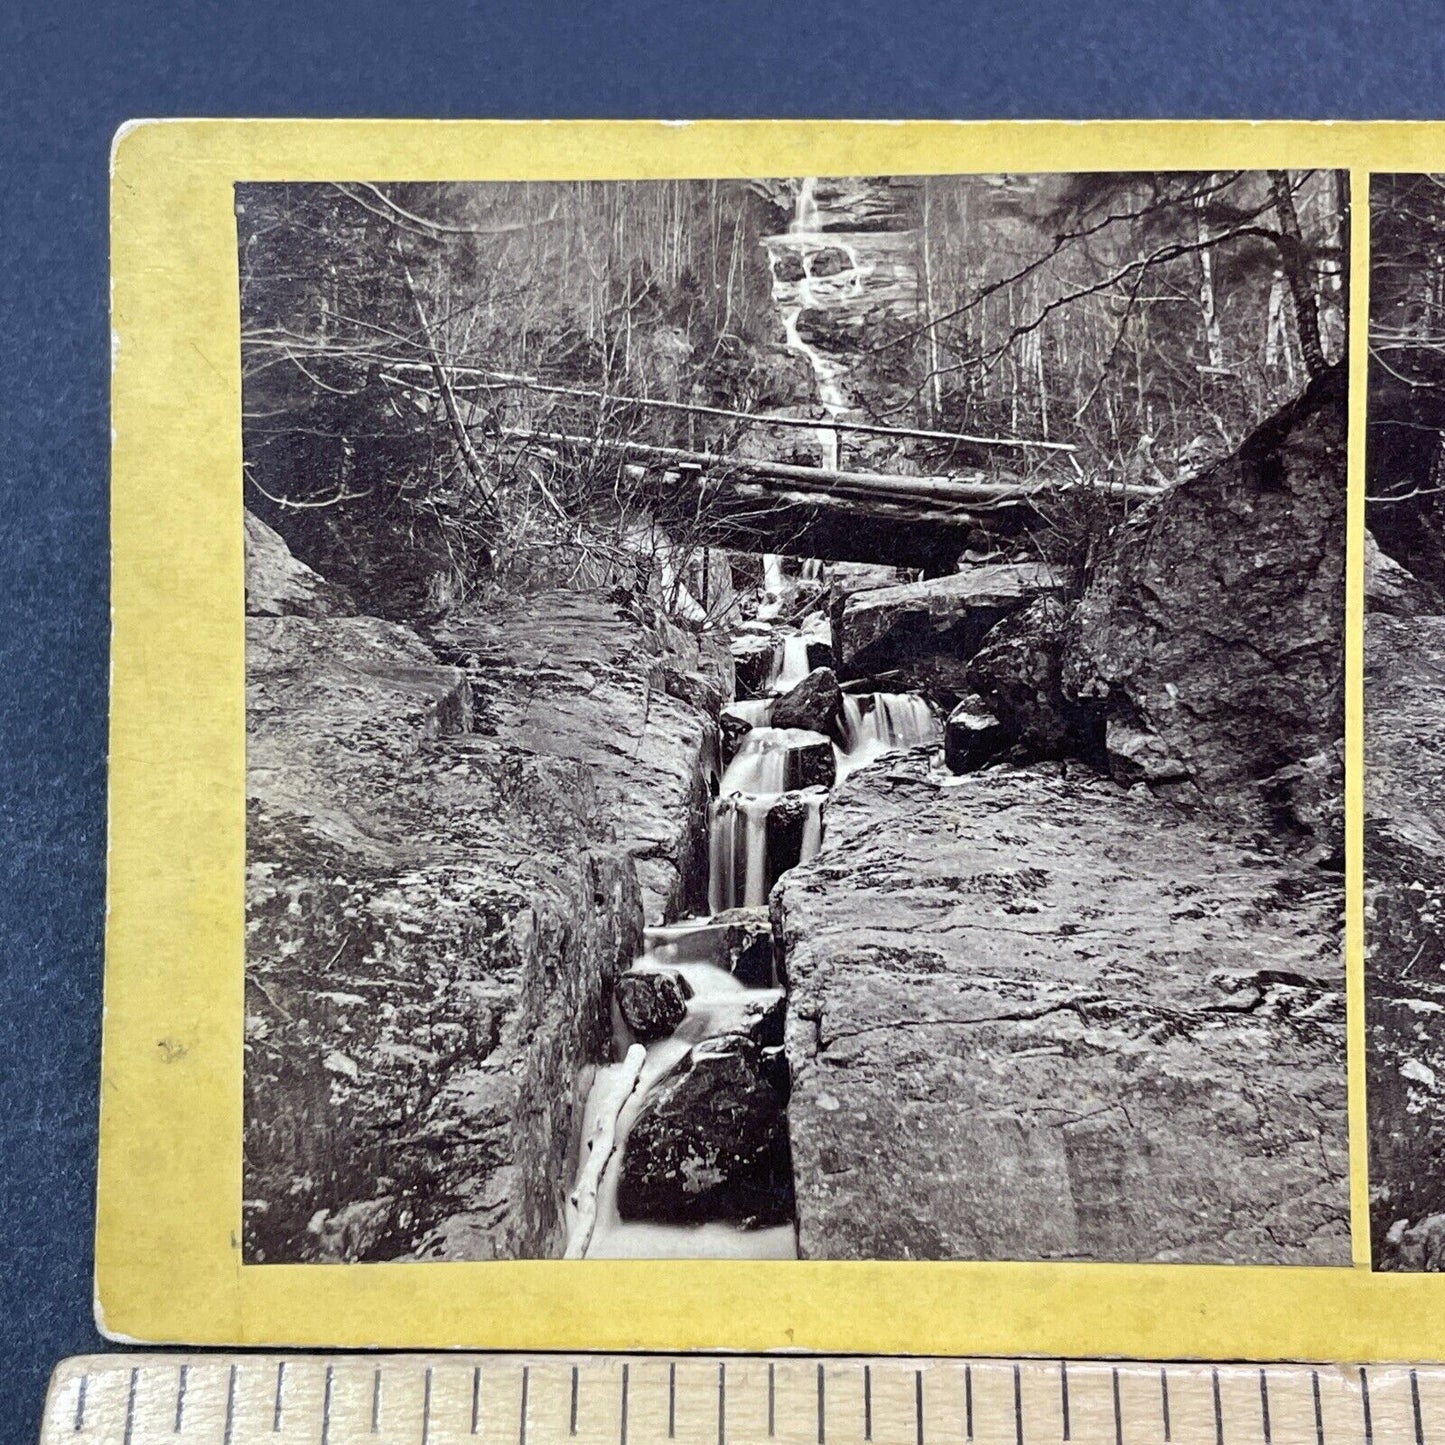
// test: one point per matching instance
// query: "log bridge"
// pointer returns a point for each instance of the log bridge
(753, 505)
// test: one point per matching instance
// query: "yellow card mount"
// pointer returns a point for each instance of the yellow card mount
(245, 1399)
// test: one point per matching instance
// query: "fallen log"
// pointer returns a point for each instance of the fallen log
(748, 517)
(977, 490)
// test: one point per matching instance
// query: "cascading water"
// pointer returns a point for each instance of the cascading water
(875, 723)
(763, 821)
(889, 720)
(804, 241)
(790, 663)
(719, 1005)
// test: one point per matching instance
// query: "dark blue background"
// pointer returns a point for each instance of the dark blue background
(72, 73)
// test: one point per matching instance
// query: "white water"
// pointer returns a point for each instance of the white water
(804, 240)
(754, 711)
(875, 723)
(891, 720)
(753, 783)
(741, 860)
(790, 664)
(760, 764)
(719, 1005)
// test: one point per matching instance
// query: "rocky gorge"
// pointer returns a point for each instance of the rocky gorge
(994, 914)
(1077, 994)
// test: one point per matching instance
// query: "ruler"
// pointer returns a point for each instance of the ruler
(457, 1399)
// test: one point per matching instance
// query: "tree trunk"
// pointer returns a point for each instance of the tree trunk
(1296, 273)
(935, 379)
(1208, 305)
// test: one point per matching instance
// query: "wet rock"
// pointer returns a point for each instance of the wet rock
(652, 1003)
(710, 1143)
(747, 945)
(832, 329)
(815, 704)
(1389, 588)
(752, 656)
(789, 818)
(810, 766)
(733, 727)
(820, 653)
(278, 585)
(788, 267)
(921, 635)
(1217, 625)
(830, 261)
(972, 736)
(1033, 1016)
(764, 1019)
(1405, 942)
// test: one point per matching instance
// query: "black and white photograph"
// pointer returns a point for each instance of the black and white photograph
(803, 718)
(1405, 723)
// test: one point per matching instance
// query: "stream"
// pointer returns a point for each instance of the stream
(768, 816)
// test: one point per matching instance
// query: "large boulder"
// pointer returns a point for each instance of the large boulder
(846, 579)
(1018, 674)
(816, 703)
(921, 635)
(1391, 589)
(1033, 1016)
(1212, 638)
(433, 921)
(279, 585)
(652, 1002)
(573, 676)
(972, 736)
(710, 1142)
(1405, 944)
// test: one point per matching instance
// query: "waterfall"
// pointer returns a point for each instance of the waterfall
(762, 822)
(719, 1005)
(805, 215)
(790, 664)
(887, 721)
(803, 241)
(738, 850)
(812, 830)
(754, 711)
(761, 763)
(875, 723)
(742, 863)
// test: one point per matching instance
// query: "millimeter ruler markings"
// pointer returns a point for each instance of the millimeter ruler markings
(456, 1399)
